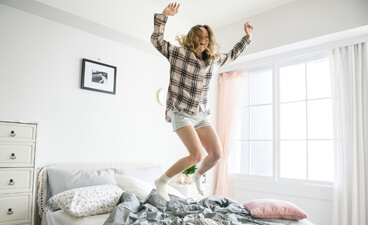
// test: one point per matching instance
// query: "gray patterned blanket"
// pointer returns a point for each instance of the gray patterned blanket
(213, 210)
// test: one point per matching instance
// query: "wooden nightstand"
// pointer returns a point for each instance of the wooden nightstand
(190, 190)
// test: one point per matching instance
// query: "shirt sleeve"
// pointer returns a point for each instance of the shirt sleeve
(226, 58)
(157, 37)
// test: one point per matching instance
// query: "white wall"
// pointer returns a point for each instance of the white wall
(301, 26)
(297, 21)
(40, 63)
(131, 17)
(127, 22)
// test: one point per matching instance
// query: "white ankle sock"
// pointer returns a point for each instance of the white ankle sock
(197, 179)
(161, 187)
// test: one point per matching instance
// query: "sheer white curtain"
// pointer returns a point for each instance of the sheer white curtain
(230, 93)
(350, 104)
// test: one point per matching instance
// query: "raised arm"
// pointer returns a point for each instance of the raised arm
(238, 48)
(157, 37)
(171, 10)
(248, 30)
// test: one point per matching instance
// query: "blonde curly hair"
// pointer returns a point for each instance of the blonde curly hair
(212, 51)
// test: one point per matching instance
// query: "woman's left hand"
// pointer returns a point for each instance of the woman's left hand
(248, 30)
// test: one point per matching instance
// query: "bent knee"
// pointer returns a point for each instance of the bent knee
(216, 155)
(196, 157)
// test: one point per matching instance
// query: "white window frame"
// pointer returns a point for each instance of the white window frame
(275, 67)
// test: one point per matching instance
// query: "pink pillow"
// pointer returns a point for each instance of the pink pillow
(276, 209)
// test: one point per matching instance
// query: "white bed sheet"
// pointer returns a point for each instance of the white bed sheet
(61, 218)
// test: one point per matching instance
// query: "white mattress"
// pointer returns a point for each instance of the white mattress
(61, 218)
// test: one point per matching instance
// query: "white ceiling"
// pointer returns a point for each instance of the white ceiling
(130, 22)
(219, 13)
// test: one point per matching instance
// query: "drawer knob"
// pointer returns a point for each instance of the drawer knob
(10, 211)
(13, 134)
(11, 182)
(13, 156)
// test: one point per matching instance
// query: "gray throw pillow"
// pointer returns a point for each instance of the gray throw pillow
(63, 180)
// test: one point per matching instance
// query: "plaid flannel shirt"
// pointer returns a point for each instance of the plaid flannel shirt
(190, 76)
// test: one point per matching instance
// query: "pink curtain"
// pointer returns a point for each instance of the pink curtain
(230, 94)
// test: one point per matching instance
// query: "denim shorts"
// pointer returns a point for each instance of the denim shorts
(181, 119)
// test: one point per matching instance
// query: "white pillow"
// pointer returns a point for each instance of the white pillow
(148, 174)
(87, 201)
(140, 188)
(173, 191)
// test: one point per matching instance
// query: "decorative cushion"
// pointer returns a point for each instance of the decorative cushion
(140, 188)
(87, 201)
(63, 180)
(276, 209)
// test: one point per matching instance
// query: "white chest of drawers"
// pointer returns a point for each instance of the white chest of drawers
(17, 168)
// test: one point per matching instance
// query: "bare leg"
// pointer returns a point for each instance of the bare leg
(211, 143)
(189, 137)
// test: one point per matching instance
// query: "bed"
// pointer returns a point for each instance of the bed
(123, 193)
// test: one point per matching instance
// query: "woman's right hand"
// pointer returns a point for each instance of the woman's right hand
(171, 10)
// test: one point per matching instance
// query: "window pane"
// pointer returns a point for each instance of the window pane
(293, 120)
(245, 125)
(244, 157)
(239, 157)
(318, 79)
(234, 157)
(320, 160)
(293, 158)
(261, 158)
(320, 119)
(261, 87)
(261, 122)
(292, 83)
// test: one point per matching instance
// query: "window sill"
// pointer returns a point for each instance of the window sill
(268, 185)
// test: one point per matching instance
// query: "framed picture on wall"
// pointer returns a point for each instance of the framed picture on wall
(97, 76)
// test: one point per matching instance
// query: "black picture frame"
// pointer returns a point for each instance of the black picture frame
(98, 76)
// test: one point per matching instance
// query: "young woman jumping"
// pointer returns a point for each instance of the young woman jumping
(191, 68)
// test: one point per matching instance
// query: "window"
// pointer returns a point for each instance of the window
(286, 122)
